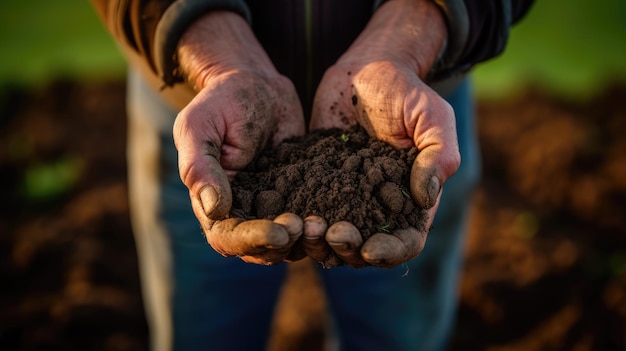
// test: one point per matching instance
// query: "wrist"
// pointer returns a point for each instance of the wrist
(411, 32)
(220, 43)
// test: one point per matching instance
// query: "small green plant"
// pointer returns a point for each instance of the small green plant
(384, 228)
(405, 193)
(345, 137)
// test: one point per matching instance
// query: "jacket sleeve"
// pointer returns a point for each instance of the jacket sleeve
(477, 31)
(152, 28)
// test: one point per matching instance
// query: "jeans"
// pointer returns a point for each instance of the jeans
(197, 299)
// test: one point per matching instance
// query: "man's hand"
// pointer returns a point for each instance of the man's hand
(242, 104)
(378, 84)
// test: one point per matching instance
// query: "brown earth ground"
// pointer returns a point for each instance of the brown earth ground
(546, 255)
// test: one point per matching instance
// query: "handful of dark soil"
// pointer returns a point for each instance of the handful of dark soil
(336, 174)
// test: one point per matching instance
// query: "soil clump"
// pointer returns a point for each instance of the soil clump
(340, 175)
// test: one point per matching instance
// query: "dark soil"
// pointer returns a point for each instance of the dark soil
(545, 265)
(338, 175)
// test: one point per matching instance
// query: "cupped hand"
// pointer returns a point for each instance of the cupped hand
(242, 105)
(378, 84)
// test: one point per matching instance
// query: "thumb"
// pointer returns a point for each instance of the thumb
(429, 172)
(205, 178)
(425, 186)
(212, 193)
(434, 133)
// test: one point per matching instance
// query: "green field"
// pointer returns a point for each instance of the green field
(571, 48)
(43, 40)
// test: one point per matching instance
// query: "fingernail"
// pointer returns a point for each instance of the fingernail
(434, 187)
(312, 238)
(209, 199)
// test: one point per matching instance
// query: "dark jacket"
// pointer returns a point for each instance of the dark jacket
(303, 37)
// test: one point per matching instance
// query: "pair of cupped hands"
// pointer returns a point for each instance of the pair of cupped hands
(243, 103)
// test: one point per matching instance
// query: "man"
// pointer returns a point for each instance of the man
(220, 80)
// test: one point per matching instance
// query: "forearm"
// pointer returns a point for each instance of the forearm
(232, 47)
(477, 31)
(151, 29)
(413, 32)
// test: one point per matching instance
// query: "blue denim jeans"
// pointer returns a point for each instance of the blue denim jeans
(197, 299)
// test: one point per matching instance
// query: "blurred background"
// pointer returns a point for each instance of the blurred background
(545, 265)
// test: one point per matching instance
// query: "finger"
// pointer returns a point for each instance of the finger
(213, 202)
(201, 172)
(424, 184)
(207, 183)
(346, 240)
(433, 128)
(429, 172)
(266, 261)
(313, 241)
(260, 238)
(389, 250)
(295, 228)
(292, 223)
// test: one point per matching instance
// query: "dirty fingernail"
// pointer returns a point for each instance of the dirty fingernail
(434, 187)
(209, 199)
(336, 244)
(339, 246)
(312, 238)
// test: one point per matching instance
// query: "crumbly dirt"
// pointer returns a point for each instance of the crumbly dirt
(340, 175)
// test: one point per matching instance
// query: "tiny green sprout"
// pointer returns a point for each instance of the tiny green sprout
(384, 228)
(345, 137)
(405, 193)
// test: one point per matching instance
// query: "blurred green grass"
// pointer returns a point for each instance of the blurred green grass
(572, 48)
(43, 40)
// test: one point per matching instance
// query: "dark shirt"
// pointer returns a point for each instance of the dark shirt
(304, 37)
